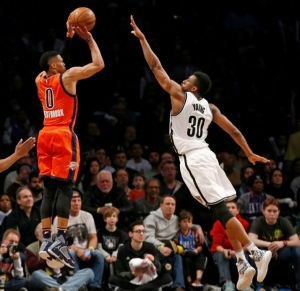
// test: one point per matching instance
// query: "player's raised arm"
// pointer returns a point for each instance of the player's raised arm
(154, 63)
(97, 64)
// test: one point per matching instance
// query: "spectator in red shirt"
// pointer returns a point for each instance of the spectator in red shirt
(221, 248)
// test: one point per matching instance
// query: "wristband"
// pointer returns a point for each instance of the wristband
(98, 209)
(70, 34)
(91, 248)
(161, 247)
(285, 243)
(87, 40)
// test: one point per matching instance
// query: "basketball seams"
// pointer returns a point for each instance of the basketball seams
(83, 16)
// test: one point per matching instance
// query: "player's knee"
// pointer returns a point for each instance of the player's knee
(221, 212)
(65, 187)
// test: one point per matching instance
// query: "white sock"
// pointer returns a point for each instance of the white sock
(240, 255)
(251, 247)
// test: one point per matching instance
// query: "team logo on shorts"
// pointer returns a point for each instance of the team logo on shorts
(72, 166)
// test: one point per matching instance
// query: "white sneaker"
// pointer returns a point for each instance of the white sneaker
(246, 274)
(261, 259)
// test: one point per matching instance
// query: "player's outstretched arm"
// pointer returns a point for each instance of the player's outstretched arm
(237, 136)
(22, 148)
(97, 64)
(154, 63)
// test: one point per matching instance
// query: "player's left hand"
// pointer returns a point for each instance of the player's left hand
(253, 158)
(22, 148)
(136, 31)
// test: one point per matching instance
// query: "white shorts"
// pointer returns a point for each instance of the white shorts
(205, 178)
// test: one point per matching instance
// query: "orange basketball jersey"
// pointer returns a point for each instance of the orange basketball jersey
(57, 145)
(60, 107)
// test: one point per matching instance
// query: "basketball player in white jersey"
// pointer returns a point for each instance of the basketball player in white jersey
(190, 117)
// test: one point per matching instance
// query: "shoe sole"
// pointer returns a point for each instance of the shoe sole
(250, 274)
(61, 259)
(263, 271)
(53, 263)
(44, 255)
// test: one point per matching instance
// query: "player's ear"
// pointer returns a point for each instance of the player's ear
(194, 89)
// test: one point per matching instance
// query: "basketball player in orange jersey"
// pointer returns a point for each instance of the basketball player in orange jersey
(190, 117)
(57, 145)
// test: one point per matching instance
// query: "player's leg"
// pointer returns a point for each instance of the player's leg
(65, 169)
(238, 236)
(245, 270)
(49, 192)
(59, 248)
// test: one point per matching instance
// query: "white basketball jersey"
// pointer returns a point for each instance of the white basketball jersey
(188, 128)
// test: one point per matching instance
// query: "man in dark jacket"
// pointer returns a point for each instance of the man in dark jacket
(25, 218)
(131, 277)
(104, 194)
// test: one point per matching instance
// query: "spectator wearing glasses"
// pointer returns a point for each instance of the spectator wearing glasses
(126, 277)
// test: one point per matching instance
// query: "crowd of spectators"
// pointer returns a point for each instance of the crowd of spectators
(250, 49)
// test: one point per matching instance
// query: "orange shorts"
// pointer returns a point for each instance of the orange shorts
(58, 153)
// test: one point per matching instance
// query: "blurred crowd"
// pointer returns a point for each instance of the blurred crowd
(250, 49)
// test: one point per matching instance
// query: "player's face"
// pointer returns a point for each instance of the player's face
(271, 214)
(232, 208)
(59, 64)
(188, 84)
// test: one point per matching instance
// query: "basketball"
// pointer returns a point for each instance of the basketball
(83, 16)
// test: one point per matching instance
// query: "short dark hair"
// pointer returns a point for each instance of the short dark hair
(19, 167)
(167, 196)
(203, 82)
(44, 59)
(150, 180)
(133, 224)
(254, 177)
(18, 195)
(184, 214)
(139, 175)
(271, 201)
(33, 174)
(77, 191)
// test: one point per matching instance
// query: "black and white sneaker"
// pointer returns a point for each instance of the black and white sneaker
(246, 274)
(261, 259)
(60, 251)
(44, 249)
